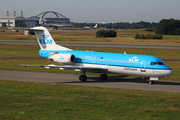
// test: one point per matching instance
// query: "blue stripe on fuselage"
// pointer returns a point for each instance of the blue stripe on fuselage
(111, 59)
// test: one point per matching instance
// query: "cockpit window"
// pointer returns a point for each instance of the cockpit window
(157, 63)
(154, 63)
(160, 63)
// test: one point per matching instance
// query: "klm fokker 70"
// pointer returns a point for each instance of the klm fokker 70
(100, 62)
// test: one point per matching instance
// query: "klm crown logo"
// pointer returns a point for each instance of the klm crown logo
(45, 40)
(45, 36)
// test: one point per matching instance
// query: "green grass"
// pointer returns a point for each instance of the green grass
(171, 37)
(123, 37)
(23, 100)
(33, 51)
(126, 36)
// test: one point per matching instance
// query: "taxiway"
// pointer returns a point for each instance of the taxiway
(112, 82)
(96, 44)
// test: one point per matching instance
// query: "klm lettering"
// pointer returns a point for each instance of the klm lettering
(47, 41)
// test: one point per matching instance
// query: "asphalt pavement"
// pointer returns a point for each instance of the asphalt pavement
(94, 81)
(96, 44)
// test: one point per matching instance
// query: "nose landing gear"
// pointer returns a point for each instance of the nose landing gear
(151, 82)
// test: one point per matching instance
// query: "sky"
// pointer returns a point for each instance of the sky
(95, 11)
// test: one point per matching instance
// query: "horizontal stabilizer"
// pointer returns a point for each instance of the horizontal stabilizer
(45, 40)
(30, 29)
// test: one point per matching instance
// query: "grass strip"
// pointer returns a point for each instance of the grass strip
(24, 100)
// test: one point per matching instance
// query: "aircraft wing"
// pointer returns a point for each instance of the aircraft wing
(95, 69)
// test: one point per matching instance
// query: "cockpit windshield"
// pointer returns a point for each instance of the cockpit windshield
(160, 63)
(157, 63)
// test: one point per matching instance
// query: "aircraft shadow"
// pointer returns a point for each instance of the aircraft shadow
(125, 79)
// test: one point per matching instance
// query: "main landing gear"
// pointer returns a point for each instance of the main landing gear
(83, 77)
(103, 76)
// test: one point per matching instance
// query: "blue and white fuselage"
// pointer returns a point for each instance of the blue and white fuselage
(128, 64)
(101, 62)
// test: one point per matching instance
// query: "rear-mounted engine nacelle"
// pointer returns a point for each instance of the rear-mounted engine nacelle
(63, 58)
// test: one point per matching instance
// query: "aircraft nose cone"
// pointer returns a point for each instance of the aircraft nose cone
(169, 72)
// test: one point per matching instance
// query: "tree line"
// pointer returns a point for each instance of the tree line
(168, 27)
(119, 25)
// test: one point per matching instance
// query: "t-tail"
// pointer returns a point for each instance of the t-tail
(45, 40)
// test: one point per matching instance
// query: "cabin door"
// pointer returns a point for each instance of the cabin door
(143, 66)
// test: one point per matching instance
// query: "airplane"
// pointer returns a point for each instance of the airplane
(90, 27)
(98, 62)
(96, 26)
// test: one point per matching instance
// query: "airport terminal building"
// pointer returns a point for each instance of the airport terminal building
(42, 19)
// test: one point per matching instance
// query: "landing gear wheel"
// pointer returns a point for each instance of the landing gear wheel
(82, 78)
(151, 82)
(103, 77)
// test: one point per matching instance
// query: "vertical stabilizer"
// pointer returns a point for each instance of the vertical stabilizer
(96, 26)
(45, 39)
